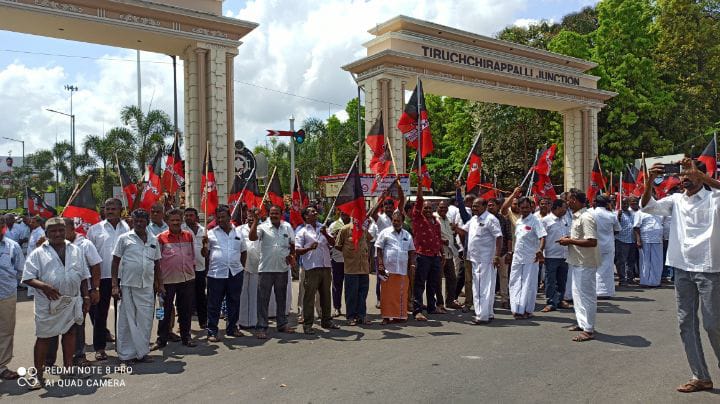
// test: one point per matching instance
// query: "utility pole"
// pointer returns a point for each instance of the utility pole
(292, 154)
(72, 89)
(138, 81)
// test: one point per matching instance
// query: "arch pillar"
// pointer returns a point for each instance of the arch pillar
(581, 147)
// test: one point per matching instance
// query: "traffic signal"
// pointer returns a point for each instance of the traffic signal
(299, 136)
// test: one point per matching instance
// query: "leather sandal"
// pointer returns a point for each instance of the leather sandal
(694, 385)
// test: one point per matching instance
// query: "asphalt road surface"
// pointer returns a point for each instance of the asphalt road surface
(637, 357)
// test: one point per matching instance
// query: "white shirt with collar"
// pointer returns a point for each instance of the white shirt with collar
(35, 235)
(528, 232)
(197, 244)
(104, 236)
(482, 232)
(274, 246)
(253, 250)
(308, 234)
(137, 259)
(694, 243)
(396, 246)
(650, 225)
(224, 252)
(607, 224)
(556, 228)
(89, 251)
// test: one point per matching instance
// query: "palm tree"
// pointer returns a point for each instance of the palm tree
(117, 144)
(59, 160)
(150, 131)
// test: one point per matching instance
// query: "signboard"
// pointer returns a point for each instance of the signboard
(7, 163)
(50, 198)
(3, 204)
(332, 184)
(12, 203)
(669, 159)
(244, 162)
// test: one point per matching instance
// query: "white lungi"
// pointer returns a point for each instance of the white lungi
(248, 301)
(483, 278)
(134, 322)
(523, 287)
(568, 286)
(584, 296)
(651, 264)
(605, 277)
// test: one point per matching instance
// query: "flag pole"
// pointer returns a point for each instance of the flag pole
(75, 192)
(531, 168)
(611, 181)
(467, 159)
(597, 158)
(204, 190)
(392, 155)
(330, 211)
(419, 129)
(242, 192)
(122, 186)
(714, 175)
(267, 187)
(620, 190)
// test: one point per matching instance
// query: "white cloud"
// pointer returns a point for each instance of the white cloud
(525, 22)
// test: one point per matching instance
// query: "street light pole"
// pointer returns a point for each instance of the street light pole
(19, 141)
(72, 154)
(292, 155)
(72, 89)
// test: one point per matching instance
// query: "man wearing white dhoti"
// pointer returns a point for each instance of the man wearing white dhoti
(607, 226)
(58, 272)
(136, 262)
(583, 262)
(529, 245)
(484, 243)
(649, 239)
(248, 297)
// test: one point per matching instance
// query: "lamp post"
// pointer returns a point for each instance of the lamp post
(19, 141)
(72, 140)
(72, 89)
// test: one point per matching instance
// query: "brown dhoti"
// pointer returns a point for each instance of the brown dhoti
(394, 297)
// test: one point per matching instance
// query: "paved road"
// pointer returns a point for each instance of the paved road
(637, 357)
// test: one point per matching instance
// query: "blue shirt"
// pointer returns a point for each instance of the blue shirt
(12, 262)
(627, 221)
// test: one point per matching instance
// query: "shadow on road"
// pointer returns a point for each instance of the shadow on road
(633, 341)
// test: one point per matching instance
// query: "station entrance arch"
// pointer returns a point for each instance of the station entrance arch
(194, 30)
(460, 64)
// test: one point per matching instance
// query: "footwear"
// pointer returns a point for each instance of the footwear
(100, 356)
(694, 385)
(308, 331)
(517, 316)
(174, 337)
(158, 345)
(377, 305)
(548, 309)
(36, 384)
(287, 330)
(353, 322)
(331, 326)
(420, 317)
(8, 374)
(213, 338)
(465, 309)
(233, 333)
(190, 343)
(261, 335)
(337, 313)
(587, 336)
(144, 359)
(109, 337)
(480, 322)
(565, 305)
(505, 305)
(455, 305)
(81, 361)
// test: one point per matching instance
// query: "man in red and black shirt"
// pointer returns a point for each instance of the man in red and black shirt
(428, 246)
(177, 276)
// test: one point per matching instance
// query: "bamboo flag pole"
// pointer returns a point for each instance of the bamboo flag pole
(467, 159)
(537, 151)
(621, 190)
(262, 202)
(419, 131)
(122, 186)
(242, 192)
(392, 155)
(76, 191)
(204, 190)
(597, 158)
(611, 181)
(329, 215)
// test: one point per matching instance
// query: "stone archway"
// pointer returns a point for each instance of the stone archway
(194, 30)
(461, 64)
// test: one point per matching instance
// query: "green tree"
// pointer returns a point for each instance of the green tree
(149, 130)
(117, 144)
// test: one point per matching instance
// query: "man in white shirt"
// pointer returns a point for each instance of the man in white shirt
(277, 247)
(694, 254)
(37, 234)
(484, 244)
(313, 244)
(135, 276)
(157, 223)
(648, 236)
(11, 265)
(528, 253)
(227, 254)
(450, 255)
(104, 235)
(607, 226)
(557, 226)
(396, 255)
(190, 215)
(583, 260)
(338, 265)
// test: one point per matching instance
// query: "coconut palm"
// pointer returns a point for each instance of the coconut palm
(149, 131)
(117, 144)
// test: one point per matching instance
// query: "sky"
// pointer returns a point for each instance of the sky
(289, 65)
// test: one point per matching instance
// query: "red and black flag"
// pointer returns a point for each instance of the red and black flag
(474, 170)
(542, 185)
(666, 186)
(36, 205)
(151, 192)
(299, 201)
(209, 200)
(485, 189)
(424, 177)
(82, 208)
(173, 177)
(274, 193)
(628, 182)
(709, 157)
(545, 161)
(597, 181)
(414, 124)
(381, 159)
(252, 196)
(129, 188)
(640, 180)
(350, 200)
